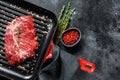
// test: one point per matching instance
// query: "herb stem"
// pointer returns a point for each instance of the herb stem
(18, 32)
(61, 12)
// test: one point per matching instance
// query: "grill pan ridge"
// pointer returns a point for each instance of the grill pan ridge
(45, 23)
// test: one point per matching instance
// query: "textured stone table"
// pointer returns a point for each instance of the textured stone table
(99, 22)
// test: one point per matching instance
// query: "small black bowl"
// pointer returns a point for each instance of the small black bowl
(67, 31)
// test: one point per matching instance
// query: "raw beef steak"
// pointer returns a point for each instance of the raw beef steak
(20, 40)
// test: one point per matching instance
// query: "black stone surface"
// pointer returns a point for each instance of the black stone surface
(99, 22)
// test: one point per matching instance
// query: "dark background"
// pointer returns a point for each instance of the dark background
(99, 22)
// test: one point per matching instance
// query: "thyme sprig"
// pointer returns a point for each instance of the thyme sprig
(63, 20)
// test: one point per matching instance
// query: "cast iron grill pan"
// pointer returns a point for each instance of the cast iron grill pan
(45, 23)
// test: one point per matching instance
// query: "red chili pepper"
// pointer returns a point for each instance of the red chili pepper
(70, 37)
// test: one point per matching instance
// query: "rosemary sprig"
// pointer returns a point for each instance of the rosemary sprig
(18, 32)
(61, 12)
(63, 20)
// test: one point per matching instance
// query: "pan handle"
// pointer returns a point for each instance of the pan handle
(86, 65)
(49, 52)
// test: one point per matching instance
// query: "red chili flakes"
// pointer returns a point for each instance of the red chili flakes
(70, 37)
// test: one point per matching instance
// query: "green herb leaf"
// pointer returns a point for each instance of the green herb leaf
(18, 32)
